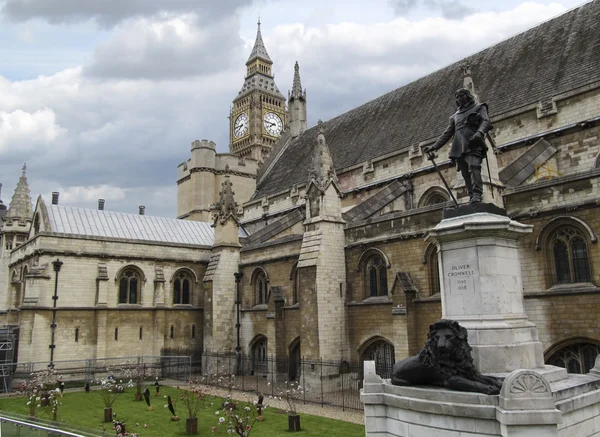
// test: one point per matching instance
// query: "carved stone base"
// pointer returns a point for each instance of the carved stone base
(528, 405)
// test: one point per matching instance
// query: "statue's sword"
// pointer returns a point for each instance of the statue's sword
(431, 156)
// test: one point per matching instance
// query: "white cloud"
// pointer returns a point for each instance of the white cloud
(110, 12)
(24, 131)
(170, 46)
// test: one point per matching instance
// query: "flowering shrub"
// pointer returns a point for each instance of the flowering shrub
(136, 373)
(194, 397)
(236, 419)
(110, 391)
(41, 392)
(292, 393)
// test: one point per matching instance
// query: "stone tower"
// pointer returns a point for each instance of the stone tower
(297, 105)
(199, 180)
(258, 114)
(322, 263)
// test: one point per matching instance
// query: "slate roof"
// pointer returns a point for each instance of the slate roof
(111, 224)
(557, 56)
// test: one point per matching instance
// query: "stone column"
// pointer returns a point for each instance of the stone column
(480, 277)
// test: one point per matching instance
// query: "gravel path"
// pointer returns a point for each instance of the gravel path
(352, 416)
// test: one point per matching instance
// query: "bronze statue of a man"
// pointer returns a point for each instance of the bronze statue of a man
(468, 125)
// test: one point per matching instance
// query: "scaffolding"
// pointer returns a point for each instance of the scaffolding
(9, 337)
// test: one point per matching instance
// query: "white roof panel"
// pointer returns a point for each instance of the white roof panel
(111, 224)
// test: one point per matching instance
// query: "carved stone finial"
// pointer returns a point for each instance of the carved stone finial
(226, 207)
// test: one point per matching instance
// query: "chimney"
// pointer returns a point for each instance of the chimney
(142, 209)
(55, 197)
(100, 204)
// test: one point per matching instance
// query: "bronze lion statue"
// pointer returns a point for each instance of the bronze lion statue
(445, 361)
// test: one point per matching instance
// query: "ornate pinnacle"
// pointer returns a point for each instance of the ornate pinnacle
(297, 86)
(259, 50)
(227, 206)
(322, 168)
(20, 205)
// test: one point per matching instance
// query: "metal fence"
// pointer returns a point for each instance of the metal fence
(81, 371)
(335, 383)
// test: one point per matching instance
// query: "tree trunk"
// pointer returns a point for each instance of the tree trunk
(138, 397)
(191, 425)
(293, 422)
(108, 414)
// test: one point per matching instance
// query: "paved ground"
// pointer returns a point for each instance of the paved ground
(328, 411)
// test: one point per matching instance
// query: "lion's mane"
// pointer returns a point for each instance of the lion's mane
(459, 362)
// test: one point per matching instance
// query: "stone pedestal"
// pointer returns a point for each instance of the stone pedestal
(480, 278)
(528, 405)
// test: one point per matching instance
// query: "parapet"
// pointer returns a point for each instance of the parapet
(204, 144)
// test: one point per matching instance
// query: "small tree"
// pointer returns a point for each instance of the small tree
(109, 391)
(194, 397)
(40, 392)
(136, 373)
(292, 393)
(240, 419)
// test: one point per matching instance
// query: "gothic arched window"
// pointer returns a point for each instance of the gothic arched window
(295, 278)
(260, 288)
(376, 276)
(182, 288)
(576, 357)
(129, 286)
(433, 196)
(570, 258)
(433, 269)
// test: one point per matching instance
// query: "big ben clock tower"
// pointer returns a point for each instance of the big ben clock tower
(258, 115)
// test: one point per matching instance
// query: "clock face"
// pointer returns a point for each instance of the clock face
(273, 124)
(240, 127)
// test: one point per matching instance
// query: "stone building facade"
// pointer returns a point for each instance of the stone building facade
(324, 238)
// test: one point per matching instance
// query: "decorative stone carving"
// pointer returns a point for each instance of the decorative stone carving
(445, 361)
(226, 207)
(525, 389)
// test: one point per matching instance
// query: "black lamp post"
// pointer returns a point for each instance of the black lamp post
(57, 265)
(238, 304)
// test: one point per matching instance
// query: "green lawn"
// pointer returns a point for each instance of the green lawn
(86, 410)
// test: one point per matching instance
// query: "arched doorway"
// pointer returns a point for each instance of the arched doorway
(259, 355)
(382, 352)
(295, 361)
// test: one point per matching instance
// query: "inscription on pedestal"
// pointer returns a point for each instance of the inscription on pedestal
(460, 278)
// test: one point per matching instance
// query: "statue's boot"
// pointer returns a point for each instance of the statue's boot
(476, 191)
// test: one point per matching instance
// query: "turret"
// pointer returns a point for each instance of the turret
(297, 105)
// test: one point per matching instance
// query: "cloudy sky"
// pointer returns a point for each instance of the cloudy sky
(103, 98)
